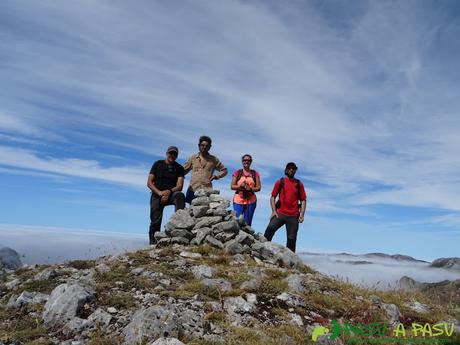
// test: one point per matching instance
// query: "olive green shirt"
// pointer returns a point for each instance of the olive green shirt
(202, 170)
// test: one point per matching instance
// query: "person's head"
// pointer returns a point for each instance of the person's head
(171, 154)
(246, 160)
(204, 144)
(290, 170)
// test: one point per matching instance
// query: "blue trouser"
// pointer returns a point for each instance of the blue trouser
(189, 196)
(246, 210)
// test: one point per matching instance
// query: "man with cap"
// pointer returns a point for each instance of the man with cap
(290, 207)
(165, 180)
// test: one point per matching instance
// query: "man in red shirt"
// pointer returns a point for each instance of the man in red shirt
(290, 207)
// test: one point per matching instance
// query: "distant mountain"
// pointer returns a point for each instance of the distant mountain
(444, 290)
(9, 258)
(449, 263)
(397, 257)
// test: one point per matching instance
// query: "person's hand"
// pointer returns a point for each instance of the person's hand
(165, 196)
(274, 214)
(301, 217)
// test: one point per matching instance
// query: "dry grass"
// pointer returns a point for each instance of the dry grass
(81, 264)
(19, 325)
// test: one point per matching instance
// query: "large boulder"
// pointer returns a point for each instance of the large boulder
(151, 323)
(65, 303)
(163, 321)
(180, 220)
(279, 254)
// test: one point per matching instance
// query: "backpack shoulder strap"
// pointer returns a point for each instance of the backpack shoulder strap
(240, 173)
(253, 175)
(297, 182)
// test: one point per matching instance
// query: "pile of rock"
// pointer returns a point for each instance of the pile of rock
(208, 220)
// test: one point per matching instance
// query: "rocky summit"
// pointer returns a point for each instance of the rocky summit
(210, 279)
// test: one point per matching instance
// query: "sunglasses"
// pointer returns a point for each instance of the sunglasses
(247, 160)
(172, 153)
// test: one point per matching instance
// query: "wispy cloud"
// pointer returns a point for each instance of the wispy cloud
(363, 97)
(91, 169)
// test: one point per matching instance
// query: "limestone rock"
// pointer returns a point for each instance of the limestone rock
(27, 298)
(167, 341)
(291, 300)
(392, 313)
(219, 283)
(151, 323)
(212, 241)
(233, 247)
(237, 305)
(159, 235)
(46, 274)
(229, 226)
(66, 302)
(181, 233)
(199, 211)
(101, 317)
(205, 222)
(296, 282)
(201, 235)
(180, 220)
(279, 254)
(203, 271)
(201, 201)
(190, 255)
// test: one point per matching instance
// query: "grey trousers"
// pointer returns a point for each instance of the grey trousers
(292, 226)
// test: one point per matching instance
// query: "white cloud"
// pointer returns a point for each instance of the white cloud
(45, 245)
(29, 160)
(353, 106)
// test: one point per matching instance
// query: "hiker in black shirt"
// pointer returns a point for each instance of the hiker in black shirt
(166, 179)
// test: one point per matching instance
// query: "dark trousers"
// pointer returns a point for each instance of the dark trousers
(156, 211)
(292, 226)
(189, 196)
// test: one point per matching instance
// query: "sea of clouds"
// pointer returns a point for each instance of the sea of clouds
(53, 245)
(381, 273)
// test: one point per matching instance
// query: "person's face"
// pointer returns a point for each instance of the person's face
(171, 156)
(246, 162)
(290, 172)
(204, 146)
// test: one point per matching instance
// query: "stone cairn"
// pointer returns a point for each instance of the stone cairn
(208, 220)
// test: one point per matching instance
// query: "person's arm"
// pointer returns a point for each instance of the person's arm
(179, 185)
(258, 185)
(272, 204)
(303, 203)
(152, 187)
(221, 169)
(188, 165)
(303, 206)
(233, 184)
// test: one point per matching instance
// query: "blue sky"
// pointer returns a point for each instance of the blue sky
(362, 95)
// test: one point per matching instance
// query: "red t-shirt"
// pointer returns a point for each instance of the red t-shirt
(289, 196)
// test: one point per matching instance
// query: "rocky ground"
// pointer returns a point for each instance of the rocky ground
(211, 279)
